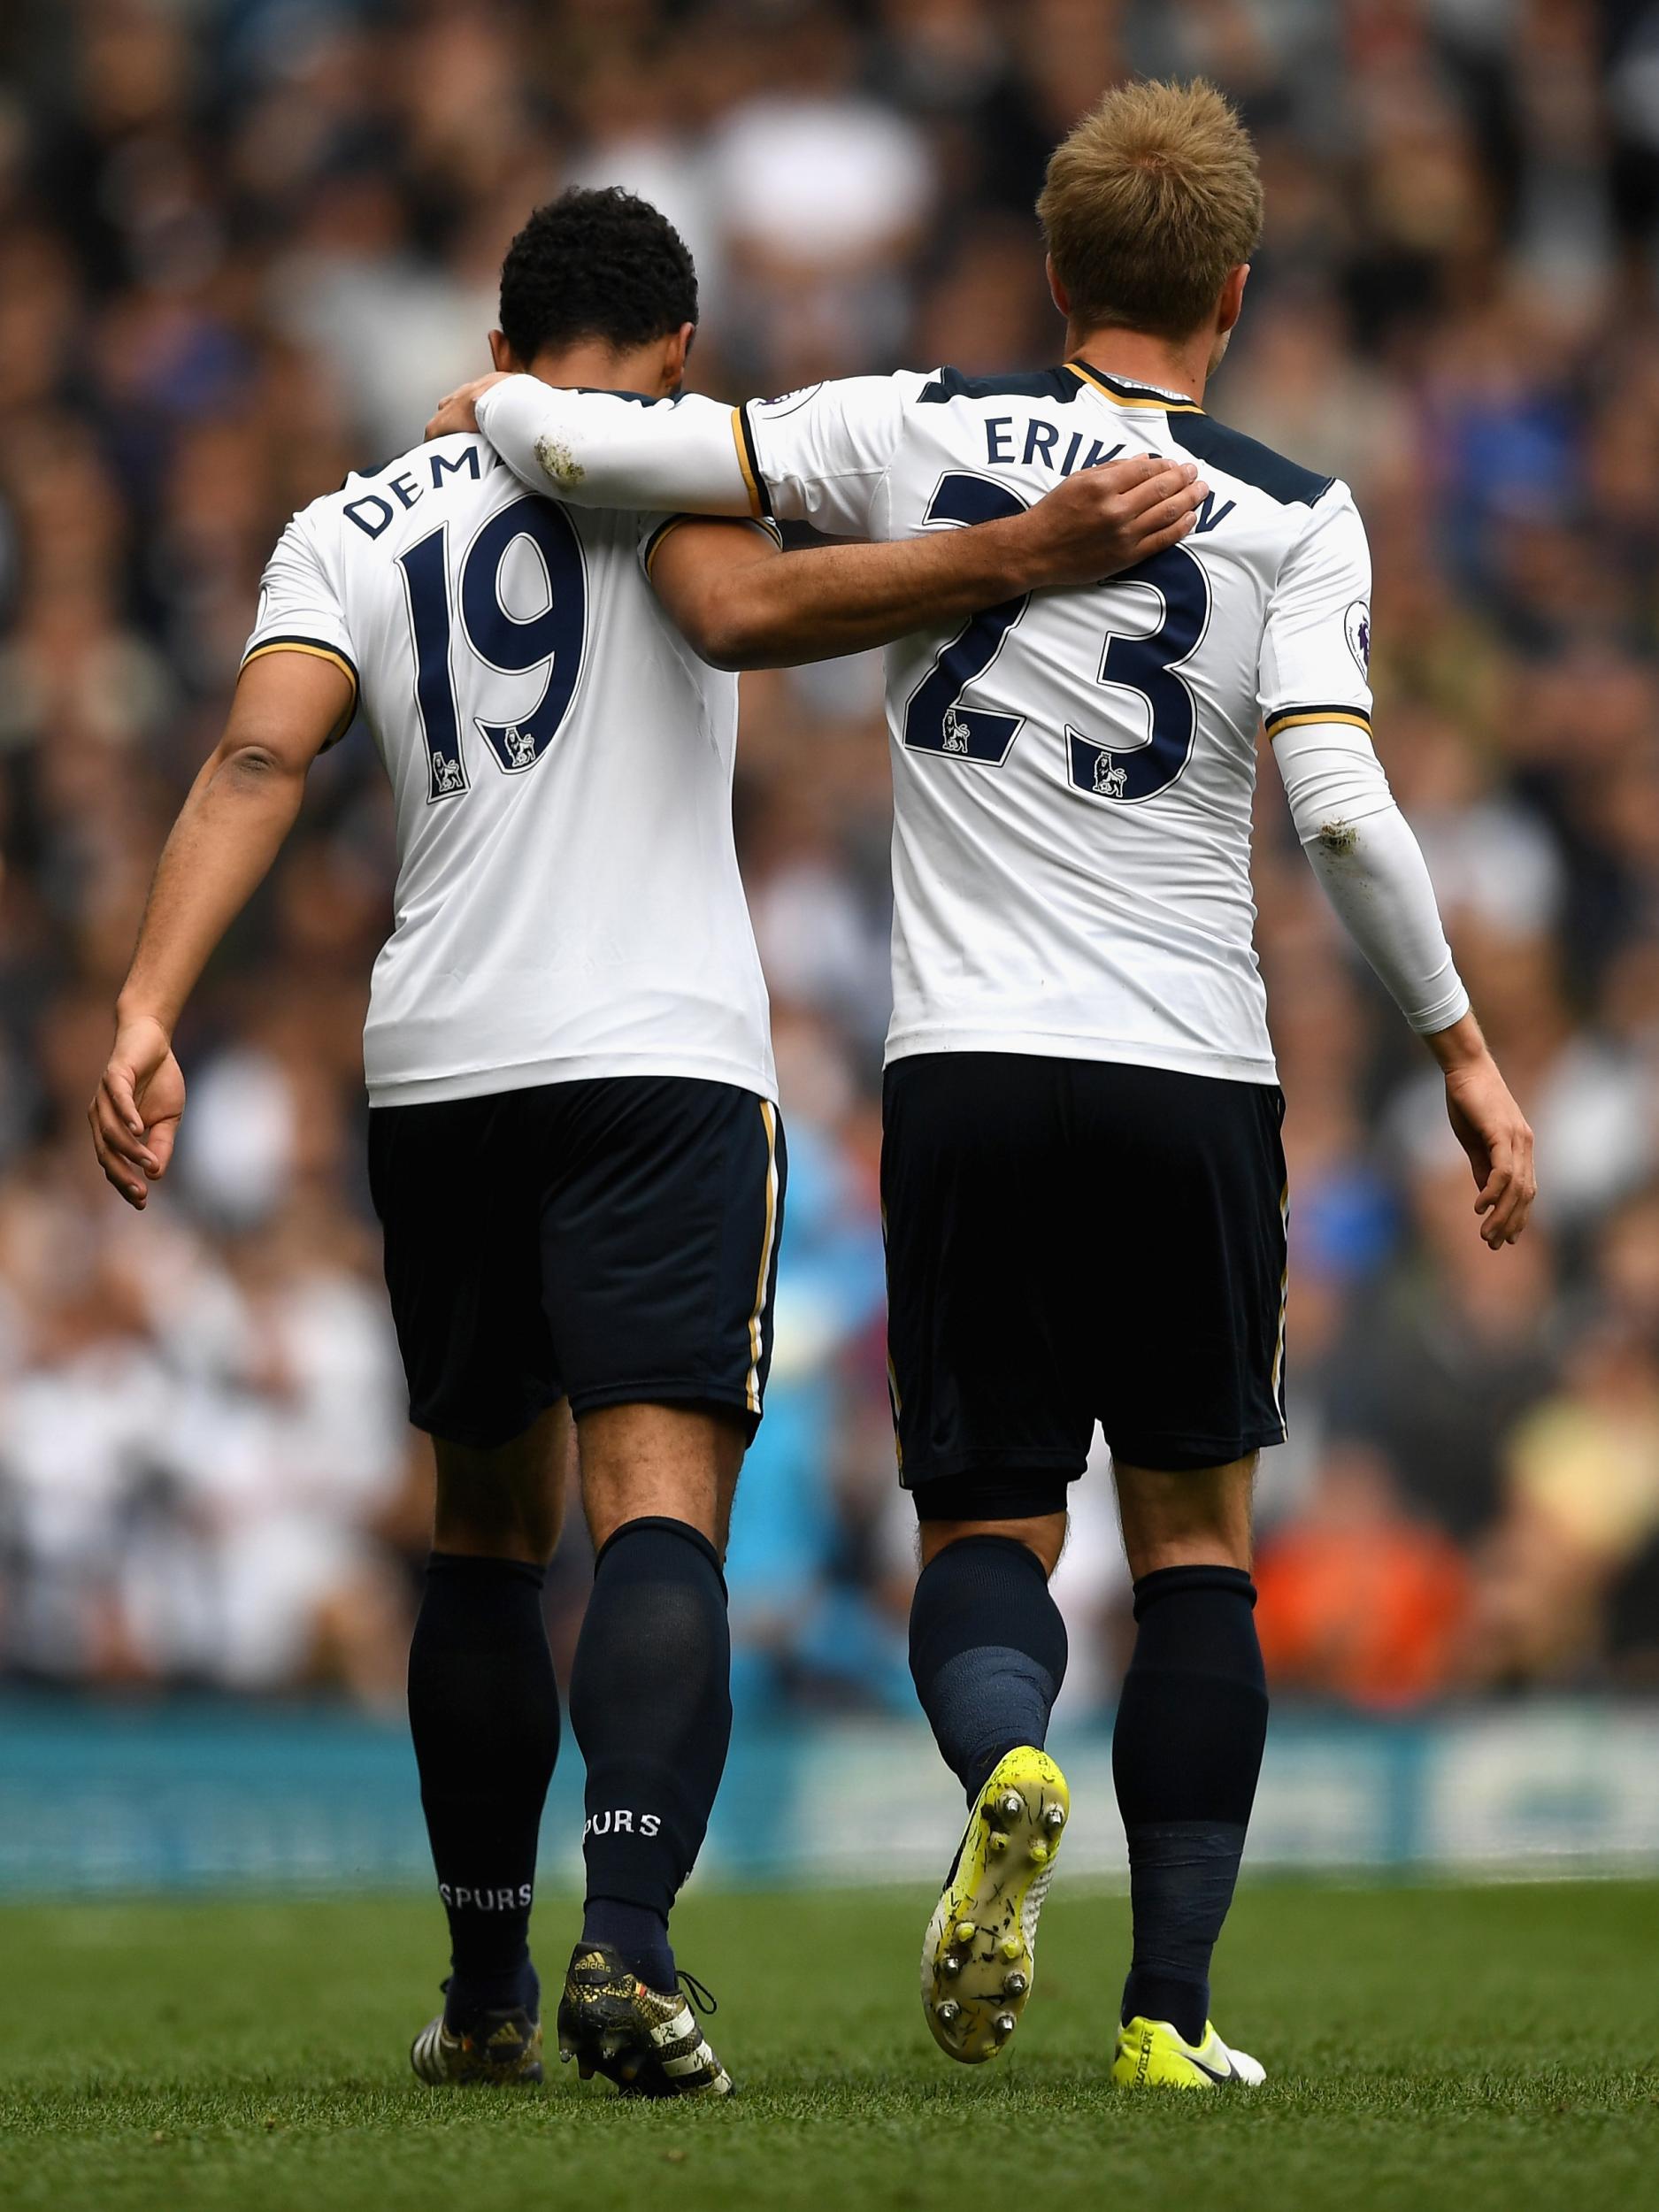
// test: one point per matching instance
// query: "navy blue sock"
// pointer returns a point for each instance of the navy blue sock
(640, 1932)
(484, 1712)
(1187, 1750)
(987, 1652)
(651, 1706)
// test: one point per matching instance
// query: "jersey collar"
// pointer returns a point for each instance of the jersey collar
(1127, 394)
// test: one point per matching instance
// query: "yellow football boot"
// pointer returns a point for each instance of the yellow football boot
(1151, 2055)
(976, 1960)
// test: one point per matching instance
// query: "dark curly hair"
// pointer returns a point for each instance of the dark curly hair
(595, 264)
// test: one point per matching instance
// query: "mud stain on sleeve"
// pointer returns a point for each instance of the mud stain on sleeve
(558, 463)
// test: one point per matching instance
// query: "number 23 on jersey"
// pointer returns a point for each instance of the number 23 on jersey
(939, 717)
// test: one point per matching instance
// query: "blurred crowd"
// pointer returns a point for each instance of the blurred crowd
(245, 243)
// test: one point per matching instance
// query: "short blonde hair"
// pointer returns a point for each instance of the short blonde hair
(1148, 203)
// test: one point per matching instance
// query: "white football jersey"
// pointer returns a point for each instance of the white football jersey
(568, 902)
(1073, 771)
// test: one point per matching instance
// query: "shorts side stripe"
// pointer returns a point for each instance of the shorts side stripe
(1284, 1303)
(752, 1386)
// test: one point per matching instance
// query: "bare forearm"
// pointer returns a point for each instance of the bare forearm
(231, 828)
(815, 605)
(1459, 1045)
(771, 610)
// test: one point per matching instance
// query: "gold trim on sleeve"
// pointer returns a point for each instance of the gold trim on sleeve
(317, 652)
(1355, 717)
(740, 439)
(664, 532)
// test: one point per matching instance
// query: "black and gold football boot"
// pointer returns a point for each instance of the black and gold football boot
(646, 2040)
(497, 2050)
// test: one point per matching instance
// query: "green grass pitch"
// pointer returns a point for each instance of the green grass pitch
(1427, 2048)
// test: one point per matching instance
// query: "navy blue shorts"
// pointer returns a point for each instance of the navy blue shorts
(1072, 1241)
(613, 1241)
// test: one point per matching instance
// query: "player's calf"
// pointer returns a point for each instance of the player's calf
(651, 1707)
(483, 1708)
(989, 1653)
(1192, 1721)
(988, 1645)
(484, 1714)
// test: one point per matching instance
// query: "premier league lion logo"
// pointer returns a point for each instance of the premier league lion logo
(1357, 622)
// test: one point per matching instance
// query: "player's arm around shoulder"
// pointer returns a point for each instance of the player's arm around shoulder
(607, 449)
(712, 576)
(290, 701)
(742, 603)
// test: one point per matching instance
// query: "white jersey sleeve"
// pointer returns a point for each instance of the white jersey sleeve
(613, 450)
(819, 456)
(822, 456)
(1371, 866)
(299, 612)
(1315, 659)
(1315, 697)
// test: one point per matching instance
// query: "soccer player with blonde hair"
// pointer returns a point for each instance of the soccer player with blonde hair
(1083, 1175)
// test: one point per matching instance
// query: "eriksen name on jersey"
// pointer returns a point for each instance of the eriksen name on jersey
(1073, 771)
(1036, 442)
